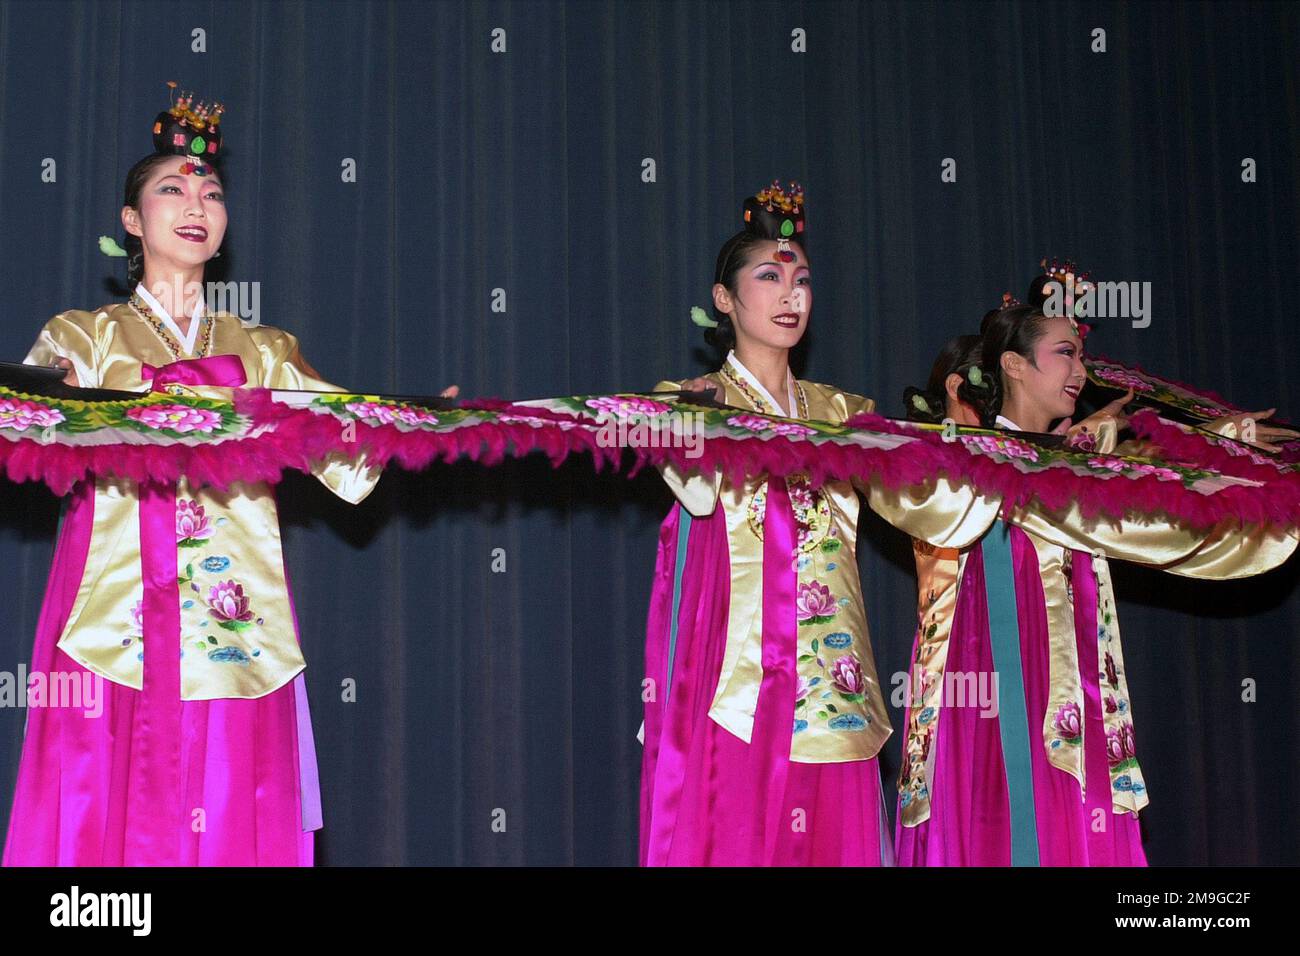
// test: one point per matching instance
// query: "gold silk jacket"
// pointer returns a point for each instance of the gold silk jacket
(237, 631)
(835, 664)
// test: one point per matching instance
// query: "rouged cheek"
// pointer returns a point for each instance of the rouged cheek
(1045, 387)
(1054, 369)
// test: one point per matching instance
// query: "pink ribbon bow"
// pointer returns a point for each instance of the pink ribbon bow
(226, 371)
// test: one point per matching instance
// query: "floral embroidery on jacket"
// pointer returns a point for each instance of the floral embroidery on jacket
(814, 603)
(193, 529)
(1128, 789)
(812, 515)
(937, 580)
(222, 601)
(843, 680)
(1069, 724)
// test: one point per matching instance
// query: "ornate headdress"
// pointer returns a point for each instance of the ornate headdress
(1073, 284)
(773, 213)
(776, 213)
(190, 129)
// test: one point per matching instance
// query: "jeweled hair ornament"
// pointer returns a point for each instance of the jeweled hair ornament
(1074, 285)
(190, 129)
(776, 213)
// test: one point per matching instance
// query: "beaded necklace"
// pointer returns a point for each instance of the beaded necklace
(756, 400)
(812, 511)
(142, 309)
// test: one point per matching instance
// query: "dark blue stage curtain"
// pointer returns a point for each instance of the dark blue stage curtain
(484, 696)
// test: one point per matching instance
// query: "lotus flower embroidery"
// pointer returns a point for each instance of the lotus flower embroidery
(814, 603)
(20, 414)
(177, 418)
(1069, 723)
(623, 407)
(192, 525)
(228, 604)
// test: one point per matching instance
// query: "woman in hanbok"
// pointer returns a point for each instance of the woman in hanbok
(172, 599)
(764, 713)
(1049, 775)
(948, 395)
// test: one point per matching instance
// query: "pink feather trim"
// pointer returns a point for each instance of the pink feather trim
(301, 436)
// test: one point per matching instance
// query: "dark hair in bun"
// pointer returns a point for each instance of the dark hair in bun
(1015, 329)
(957, 357)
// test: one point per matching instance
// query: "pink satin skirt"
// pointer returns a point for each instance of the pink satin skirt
(709, 798)
(970, 816)
(82, 798)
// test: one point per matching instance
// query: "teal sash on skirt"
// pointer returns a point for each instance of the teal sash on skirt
(1013, 720)
(679, 568)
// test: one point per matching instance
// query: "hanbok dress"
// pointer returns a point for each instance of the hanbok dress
(1048, 775)
(764, 713)
(175, 599)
